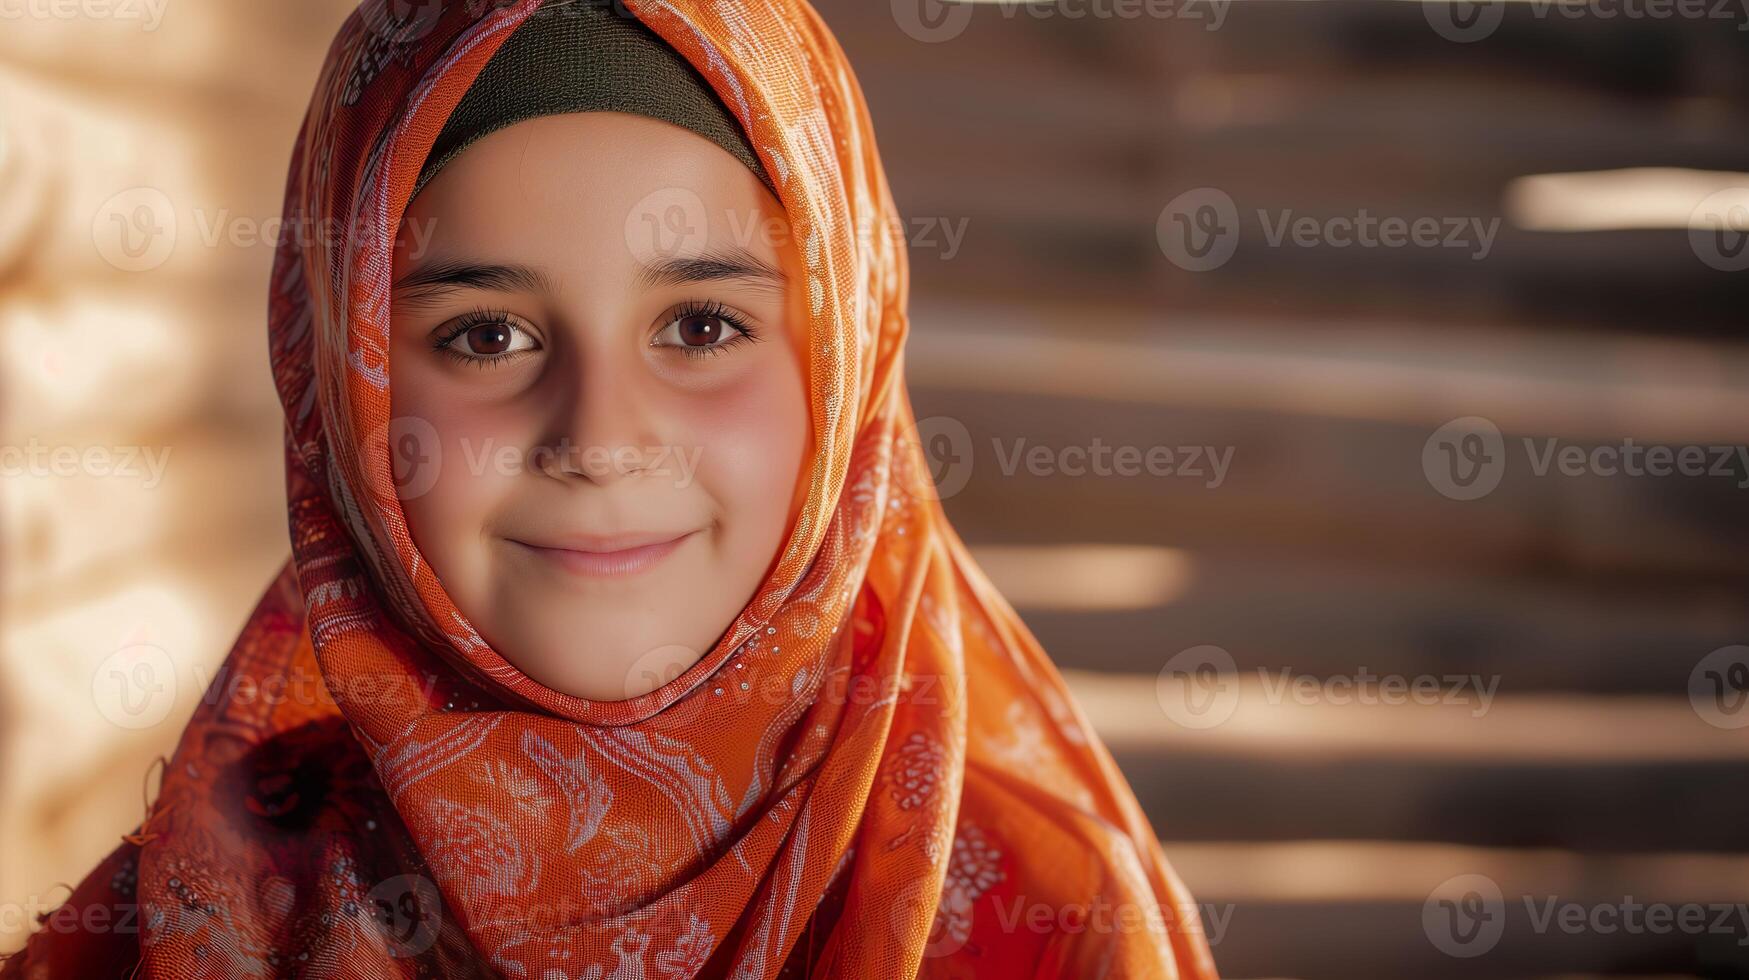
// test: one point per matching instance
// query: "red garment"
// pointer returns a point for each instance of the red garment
(824, 794)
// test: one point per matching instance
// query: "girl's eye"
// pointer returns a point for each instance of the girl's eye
(485, 338)
(700, 330)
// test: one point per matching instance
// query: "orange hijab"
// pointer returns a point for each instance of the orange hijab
(370, 790)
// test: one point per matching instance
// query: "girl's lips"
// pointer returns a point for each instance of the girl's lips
(624, 561)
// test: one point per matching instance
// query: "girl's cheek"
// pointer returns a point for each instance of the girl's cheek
(750, 442)
(458, 459)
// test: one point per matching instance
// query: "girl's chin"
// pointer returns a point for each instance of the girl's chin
(588, 666)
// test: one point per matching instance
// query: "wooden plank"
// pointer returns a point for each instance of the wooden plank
(1604, 807)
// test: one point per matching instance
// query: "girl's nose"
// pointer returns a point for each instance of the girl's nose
(603, 423)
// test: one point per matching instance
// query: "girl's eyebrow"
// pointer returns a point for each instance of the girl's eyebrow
(437, 276)
(731, 262)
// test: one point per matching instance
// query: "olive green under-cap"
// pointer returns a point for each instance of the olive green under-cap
(581, 56)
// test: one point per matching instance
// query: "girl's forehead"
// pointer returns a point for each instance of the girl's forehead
(601, 180)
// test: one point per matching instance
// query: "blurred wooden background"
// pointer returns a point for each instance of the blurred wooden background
(1033, 157)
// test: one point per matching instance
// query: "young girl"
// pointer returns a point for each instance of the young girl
(623, 635)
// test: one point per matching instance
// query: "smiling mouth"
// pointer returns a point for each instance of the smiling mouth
(607, 563)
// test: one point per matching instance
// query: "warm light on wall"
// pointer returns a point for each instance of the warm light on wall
(1086, 577)
(1637, 197)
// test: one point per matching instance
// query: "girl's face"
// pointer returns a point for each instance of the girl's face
(598, 321)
